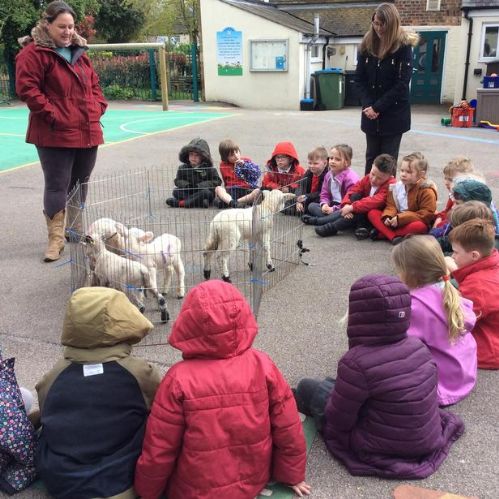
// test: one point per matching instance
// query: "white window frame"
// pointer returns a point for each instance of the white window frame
(317, 58)
(430, 5)
(481, 57)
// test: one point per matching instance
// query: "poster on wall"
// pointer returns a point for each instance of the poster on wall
(268, 55)
(229, 52)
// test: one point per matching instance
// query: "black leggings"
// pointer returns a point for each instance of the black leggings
(381, 144)
(193, 198)
(63, 168)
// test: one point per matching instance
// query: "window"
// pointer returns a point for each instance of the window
(432, 4)
(490, 45)
(315, 52)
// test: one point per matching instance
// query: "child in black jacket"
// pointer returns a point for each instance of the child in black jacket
(196, 177)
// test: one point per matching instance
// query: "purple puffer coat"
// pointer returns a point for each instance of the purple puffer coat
(382, 417)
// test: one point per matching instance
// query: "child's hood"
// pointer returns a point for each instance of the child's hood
(379, 311)
(284, 148)
(196, 145)
(101, 317)
(215, 322)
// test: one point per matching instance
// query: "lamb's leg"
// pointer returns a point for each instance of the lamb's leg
(211, 245)
(266, 249)
(167, 277)
(223, 259)
(178, 264)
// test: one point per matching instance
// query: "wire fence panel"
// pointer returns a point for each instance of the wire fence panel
(127, 238)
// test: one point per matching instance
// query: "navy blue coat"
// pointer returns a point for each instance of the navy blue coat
(382, 417)
(384, 85)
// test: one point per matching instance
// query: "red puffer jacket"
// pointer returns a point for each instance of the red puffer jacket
(65, 100)
(224, 420)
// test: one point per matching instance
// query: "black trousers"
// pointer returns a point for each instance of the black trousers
(63, 168)
(193, 198)
(311, 397)
(377, 144)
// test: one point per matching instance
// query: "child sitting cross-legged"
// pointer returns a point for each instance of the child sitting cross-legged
(310, 188)
(367, 194)
(240, 176)
(95, 401)
(380, 417)
(338, 180)
(476, 270)
(440, 317)
(454, 168)
(196, 177)
(410, 205)
(224, 421)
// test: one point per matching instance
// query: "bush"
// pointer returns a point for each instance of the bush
(115, 92)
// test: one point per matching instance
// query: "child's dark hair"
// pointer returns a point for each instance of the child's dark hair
(345, 152)
(386, 163)
(318, 153)
(470, 209)
(475, 235)
(226, 148)
(417, 161)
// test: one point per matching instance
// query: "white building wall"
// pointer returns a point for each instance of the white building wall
(259, 90)
(480, 17)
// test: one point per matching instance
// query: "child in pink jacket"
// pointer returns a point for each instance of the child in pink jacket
(440, 317)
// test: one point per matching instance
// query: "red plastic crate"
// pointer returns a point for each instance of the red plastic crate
(462, 117)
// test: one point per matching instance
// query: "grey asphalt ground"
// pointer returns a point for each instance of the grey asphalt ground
(299, 317)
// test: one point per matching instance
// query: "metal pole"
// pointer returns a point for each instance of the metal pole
(194, 59)
(152, 73)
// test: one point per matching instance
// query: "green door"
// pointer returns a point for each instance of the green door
(428, 62)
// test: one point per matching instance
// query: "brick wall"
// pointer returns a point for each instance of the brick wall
(414, 13)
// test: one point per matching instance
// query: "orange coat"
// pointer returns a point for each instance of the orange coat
(421, 203)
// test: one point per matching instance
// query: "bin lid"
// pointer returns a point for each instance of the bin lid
(330, 70)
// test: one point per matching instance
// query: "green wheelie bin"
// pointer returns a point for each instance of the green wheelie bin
(331, 88)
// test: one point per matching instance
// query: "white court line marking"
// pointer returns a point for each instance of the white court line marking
(458, 137)
(13, 134)
(124, 126)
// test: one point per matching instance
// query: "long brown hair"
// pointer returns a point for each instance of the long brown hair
(419, 261)
(394, 35)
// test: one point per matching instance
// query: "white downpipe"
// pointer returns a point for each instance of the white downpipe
(308, 70)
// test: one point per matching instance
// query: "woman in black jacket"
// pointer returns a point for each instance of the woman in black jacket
(384, 70)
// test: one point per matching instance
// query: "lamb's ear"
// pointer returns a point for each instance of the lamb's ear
(147, 237)
(288, 196)
(120, 229)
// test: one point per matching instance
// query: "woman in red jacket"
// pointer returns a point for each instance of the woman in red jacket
(224, 420)
(56, 79)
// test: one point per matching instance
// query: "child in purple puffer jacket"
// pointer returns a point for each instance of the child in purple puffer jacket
(381, 415)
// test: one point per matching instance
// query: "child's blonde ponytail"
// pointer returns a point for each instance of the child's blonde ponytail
(452, 305)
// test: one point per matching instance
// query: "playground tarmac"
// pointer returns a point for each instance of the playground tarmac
(298, 317)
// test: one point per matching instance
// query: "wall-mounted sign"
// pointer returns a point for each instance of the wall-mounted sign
(268, 55)
(229, 52)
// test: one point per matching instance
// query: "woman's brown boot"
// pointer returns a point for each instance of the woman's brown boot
(55, 227)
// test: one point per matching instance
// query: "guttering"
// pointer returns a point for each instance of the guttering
(468, 51)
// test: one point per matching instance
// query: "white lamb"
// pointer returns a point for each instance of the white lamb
(129, 276)
(230, 226)
(110, 231)
(164, 252)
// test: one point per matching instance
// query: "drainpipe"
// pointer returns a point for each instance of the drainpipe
(324, 52)
(468, 50)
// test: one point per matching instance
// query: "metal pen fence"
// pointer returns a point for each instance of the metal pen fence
(134, 205)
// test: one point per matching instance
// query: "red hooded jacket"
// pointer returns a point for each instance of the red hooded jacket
(363, 187)
(224, 420)
(275, 180)
(64, 99)
(479, 283)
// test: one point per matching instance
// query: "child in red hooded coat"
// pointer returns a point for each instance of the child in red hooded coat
(224, 421)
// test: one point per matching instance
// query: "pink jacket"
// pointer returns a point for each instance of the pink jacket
(347, 178)
(456, 363)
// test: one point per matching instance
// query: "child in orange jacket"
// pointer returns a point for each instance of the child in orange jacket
(410, 205)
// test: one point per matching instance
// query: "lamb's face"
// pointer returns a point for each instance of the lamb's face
(275, 200)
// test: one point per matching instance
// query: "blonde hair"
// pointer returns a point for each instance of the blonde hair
(461, 213)
(458, 165)
(345, 152)
(417, 161)
(394, 35)
(419, 261)
(318, 153)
